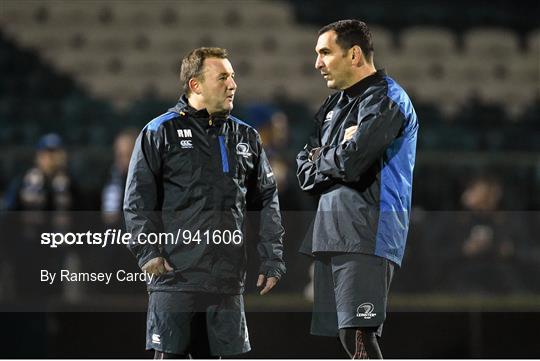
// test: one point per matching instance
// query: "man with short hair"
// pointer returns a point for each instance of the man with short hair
(194, 172)
(359, 162)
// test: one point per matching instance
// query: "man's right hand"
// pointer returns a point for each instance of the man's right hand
(157, 266)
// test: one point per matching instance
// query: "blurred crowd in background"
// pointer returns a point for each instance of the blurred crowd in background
(66, 144)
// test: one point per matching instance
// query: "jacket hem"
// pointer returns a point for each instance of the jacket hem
(316, 252)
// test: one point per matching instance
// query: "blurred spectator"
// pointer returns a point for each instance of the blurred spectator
(482, 194)
(483, 241)
(112, 198)
(42, 198)
(273, 127)
(47, 186)
(258, 115)
(279, 132)
(112, 195)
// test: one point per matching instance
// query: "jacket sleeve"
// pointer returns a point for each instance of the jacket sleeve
(143, 195)
(377, 128)
(309, 177)
(263, 197)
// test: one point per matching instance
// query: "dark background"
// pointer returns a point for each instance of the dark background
(281, 335)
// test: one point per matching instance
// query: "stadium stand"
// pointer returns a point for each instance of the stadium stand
(90, 42)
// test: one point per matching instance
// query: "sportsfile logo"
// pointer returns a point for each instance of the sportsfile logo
(365, 310)
(243, 150)
(156, 338)
(185, 133)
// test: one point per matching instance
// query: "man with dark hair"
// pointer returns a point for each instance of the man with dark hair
(193, 173)
(359, 162)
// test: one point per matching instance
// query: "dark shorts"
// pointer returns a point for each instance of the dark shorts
(179, 322)
(350, 291)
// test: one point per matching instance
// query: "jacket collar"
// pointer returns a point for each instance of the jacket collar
(361, 86)
(183, 107)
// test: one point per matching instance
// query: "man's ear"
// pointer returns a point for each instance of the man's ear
(357, 57)
(195, 86)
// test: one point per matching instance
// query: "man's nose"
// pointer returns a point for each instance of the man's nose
(318, 63)
(232, 84)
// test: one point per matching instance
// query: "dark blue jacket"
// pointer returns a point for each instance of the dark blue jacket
(364, 184)
(199, 174)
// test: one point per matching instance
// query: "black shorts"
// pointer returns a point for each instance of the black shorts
(177, 321)
(350, 291)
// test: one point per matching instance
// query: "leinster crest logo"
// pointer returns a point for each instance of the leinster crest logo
(329, 116)
(243, 150)
(365, 310)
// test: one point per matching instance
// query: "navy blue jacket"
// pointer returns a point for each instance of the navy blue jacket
(364, 184)
(197, 173)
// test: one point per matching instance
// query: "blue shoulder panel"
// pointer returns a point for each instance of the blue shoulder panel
(239, 121)
(398, 95)
(154, 124)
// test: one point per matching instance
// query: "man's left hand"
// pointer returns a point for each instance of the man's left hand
(267, 282)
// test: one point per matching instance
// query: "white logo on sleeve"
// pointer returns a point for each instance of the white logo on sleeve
(365, 310)
(156, 338)
(243, 150)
